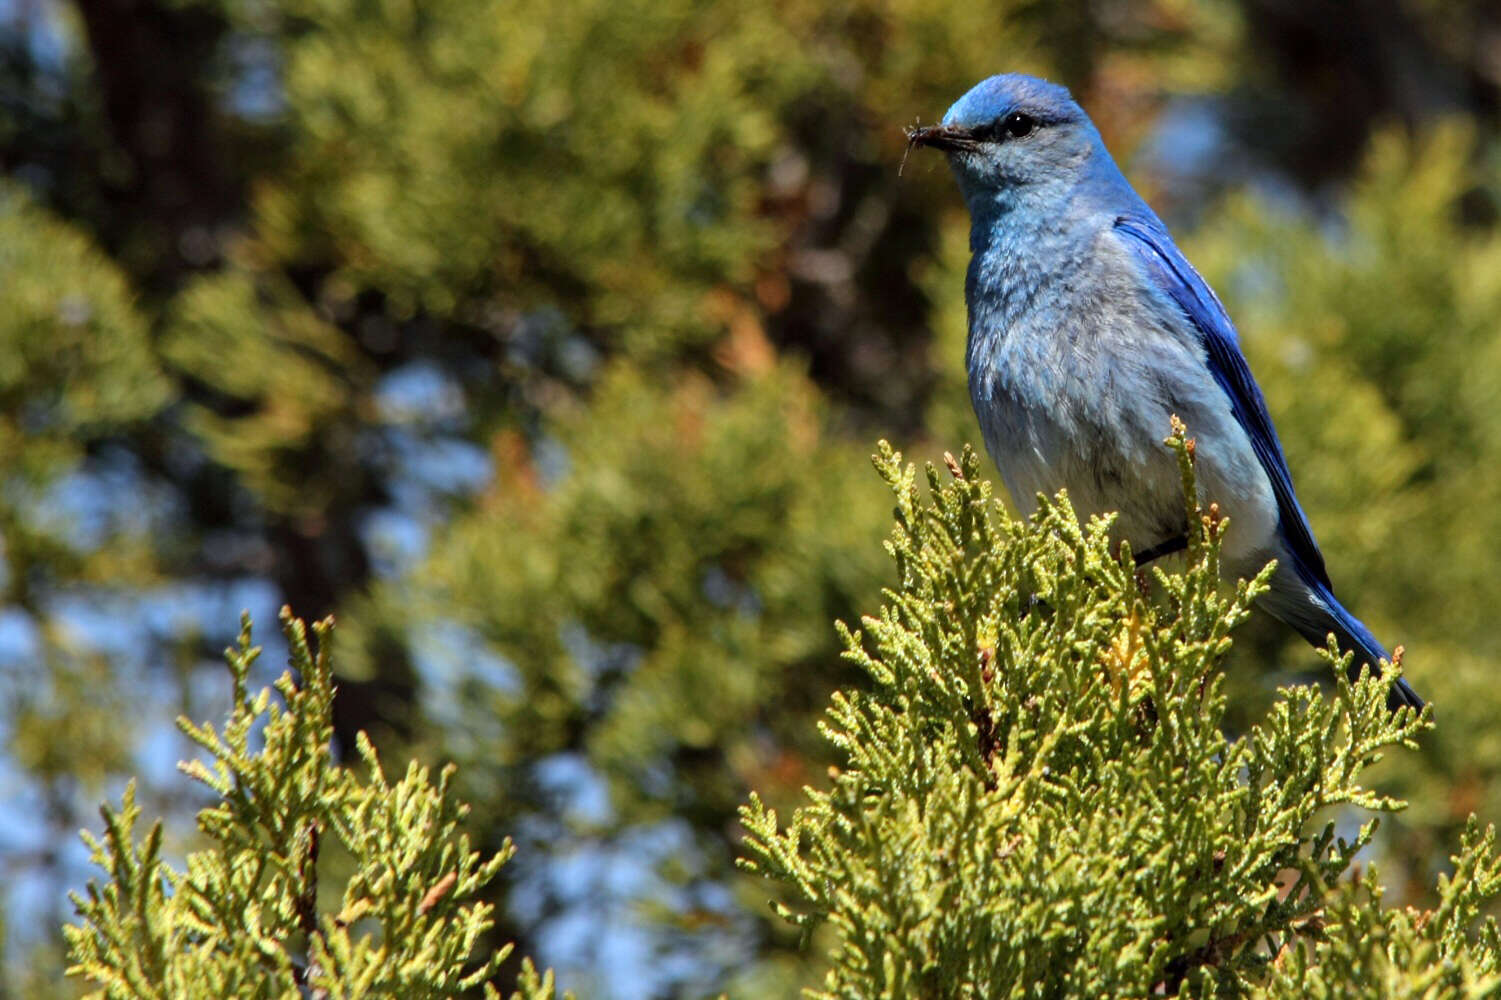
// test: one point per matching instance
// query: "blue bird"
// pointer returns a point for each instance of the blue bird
(1088, 329)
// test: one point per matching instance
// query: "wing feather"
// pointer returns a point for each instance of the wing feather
(1146, 237)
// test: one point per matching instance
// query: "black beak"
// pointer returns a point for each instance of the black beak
(949, 138)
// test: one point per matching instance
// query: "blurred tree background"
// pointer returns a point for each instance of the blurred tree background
(544, 345)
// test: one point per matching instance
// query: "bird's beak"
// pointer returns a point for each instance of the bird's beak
(949, 138)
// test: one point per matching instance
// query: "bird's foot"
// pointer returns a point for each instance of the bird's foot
(1163, 548)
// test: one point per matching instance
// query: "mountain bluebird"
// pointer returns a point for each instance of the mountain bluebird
(1088, 330)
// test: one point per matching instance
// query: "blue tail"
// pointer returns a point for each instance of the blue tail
(1310, 607)
(1352, 634)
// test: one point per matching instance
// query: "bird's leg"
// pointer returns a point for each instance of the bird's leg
(1166, 547)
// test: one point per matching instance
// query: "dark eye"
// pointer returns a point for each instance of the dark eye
(1018, 126)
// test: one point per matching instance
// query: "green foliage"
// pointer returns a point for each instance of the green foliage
(76, 369)
(75, 351)
(75, 365)
(245, 916)
(1363, 949)
(1038, 796)
(294, 377)
(683, 534)
(629, 177)
(636, 140)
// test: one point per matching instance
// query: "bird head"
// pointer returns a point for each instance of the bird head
(1012, 131)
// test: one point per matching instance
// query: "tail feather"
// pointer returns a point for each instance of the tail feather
(1311, 608)
(1351, 633)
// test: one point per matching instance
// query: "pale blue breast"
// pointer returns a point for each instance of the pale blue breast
(1074, 372)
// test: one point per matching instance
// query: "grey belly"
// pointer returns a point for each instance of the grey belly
(1097, 430)
(1124, 469)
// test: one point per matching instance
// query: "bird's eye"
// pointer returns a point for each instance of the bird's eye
(1018, 126)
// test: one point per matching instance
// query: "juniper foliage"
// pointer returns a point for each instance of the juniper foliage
(246, 917)
(1040, 799)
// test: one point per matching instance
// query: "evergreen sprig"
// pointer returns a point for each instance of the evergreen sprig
(244, 917)
(1040, 798)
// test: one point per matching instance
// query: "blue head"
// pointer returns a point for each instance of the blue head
(1014, 136)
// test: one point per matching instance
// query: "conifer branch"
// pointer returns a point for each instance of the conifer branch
(411, 922)
(1038, 792)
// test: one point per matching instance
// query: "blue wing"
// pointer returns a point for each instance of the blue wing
(1146, 237)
